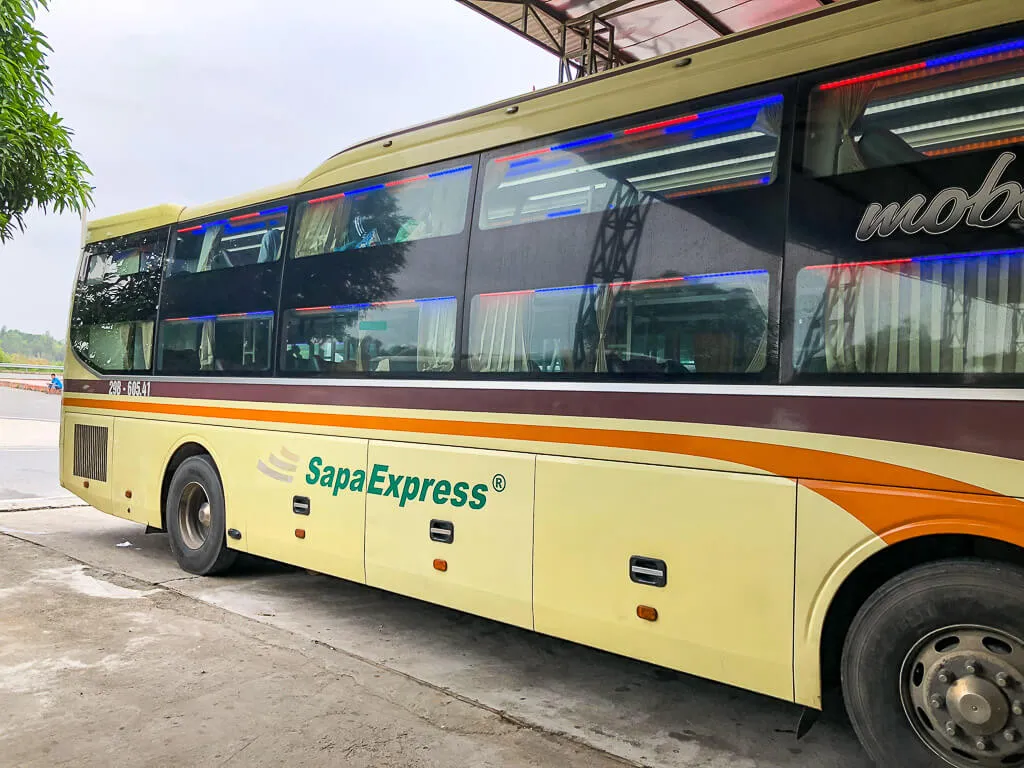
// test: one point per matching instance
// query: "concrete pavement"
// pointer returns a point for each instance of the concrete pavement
(29, 432)
(513, 686)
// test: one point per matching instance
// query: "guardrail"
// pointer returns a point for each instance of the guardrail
(31, 367)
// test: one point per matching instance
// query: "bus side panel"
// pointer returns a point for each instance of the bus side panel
(135, 481)
(297, 497)
(830, 544)
(727, 542)
(93, 438)
(487, 499)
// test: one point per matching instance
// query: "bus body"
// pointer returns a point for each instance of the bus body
(706, 362)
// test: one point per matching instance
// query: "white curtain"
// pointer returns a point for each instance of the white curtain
(956, 316)
(498, 332)
(206, 345)
(436, 343)
(318, 222)
(210, 238)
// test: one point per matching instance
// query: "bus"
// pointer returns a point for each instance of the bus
(714, 361)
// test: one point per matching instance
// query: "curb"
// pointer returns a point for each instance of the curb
(32, 505)
(29, 387)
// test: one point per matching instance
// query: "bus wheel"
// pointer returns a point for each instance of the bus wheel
(933, 666)
(196, 520)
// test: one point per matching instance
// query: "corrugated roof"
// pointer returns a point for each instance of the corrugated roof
(632, 30)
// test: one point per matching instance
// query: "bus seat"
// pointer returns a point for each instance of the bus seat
(879, 147)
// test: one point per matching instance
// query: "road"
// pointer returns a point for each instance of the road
(28, 445)
(189, 671)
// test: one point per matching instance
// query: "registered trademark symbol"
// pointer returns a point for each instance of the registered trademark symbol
(498, 483)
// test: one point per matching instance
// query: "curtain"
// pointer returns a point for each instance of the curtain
(603, 311)
(851, 101)
(942, 316)
(319, 221)
(270, 246)
(124, 346)
(436, 342)
(757, 286)
(206, 345)
(210, 239)
(498, 332)
(146, 329)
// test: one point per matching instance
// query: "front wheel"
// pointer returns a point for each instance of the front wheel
(196, 519)
(933, 667)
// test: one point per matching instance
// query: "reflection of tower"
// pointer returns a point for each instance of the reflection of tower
(612, 260)
(838, 301)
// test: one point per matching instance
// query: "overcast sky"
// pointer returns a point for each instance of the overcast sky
(186, 101)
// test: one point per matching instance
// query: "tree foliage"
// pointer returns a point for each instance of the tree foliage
(31, 346)
(38, 166)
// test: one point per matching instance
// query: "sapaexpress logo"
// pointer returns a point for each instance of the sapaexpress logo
(380, 481)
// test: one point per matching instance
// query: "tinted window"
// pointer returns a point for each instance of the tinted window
(675, 325)
(248, 238)
(413, 336)
(217, 343)
(115, 302)
(963, 101)
(907, 226)
(377, 272)
(959, 315)
(645, 246)
(404, 209)
(694, 153)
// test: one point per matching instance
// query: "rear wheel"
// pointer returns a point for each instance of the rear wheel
(933, 667)
(196, 519)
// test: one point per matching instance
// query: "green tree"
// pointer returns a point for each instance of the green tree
(4, 357)
(38, 166)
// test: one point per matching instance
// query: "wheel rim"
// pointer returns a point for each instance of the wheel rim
(963, 691)
(194, 516)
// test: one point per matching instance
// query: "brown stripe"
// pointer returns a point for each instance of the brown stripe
(977, 426)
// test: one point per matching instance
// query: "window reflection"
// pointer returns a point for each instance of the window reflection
(713, 323)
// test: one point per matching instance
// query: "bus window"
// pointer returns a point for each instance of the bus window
(401, 210)
(946, 314)
(642, 247)
(673, 158)
(964, 101)
(410, 336)
(671, 325)
(114, 310)
(248, 238)
(216, 343)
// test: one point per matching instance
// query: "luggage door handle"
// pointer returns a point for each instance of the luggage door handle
(649, 571)
(442, 531)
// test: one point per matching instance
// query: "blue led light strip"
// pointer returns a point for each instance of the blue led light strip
(229, 315)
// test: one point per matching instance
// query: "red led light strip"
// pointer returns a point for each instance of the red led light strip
(662, 124)
(410, 180)
(325, 199)
(861, 264)
(873, 76)
(245, 216)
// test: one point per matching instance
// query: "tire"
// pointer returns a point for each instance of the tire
(198, 548)
(915, 634)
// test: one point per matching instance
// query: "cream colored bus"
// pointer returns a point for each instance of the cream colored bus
(715, 361)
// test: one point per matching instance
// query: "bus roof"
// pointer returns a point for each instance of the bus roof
(831, 35)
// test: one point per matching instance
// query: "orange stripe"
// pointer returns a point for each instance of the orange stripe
(886, 511)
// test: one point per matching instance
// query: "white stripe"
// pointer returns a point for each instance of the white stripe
(769, 390)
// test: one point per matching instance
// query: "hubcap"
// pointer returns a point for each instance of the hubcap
(963, 692)
(194, 515)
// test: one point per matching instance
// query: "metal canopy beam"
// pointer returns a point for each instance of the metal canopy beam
(588, 39)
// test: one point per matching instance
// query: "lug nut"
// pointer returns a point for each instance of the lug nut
(971, 667)
(1010, 735)
(1018, 708)
(945, 677)
(950, 728)
(981, 744)
(1002, 680)
(936, 701)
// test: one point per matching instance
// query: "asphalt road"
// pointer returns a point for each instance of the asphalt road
(520, 698)
(29, 430)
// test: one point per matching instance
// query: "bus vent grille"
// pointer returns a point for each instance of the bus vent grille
(91, 452)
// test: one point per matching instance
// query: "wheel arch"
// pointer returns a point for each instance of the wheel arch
(886, 564)
(186, 449)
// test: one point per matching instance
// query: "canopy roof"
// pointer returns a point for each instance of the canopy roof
(625, 31)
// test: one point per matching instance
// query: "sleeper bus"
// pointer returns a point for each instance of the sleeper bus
(714, 361)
